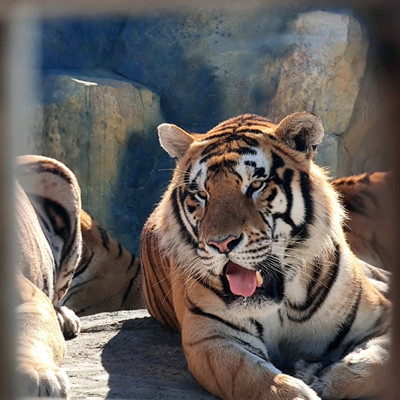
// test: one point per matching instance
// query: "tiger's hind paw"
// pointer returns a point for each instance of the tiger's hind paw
(69, 322)
(42, 380)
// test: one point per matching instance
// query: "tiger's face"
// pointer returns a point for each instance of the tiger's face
(241, 197)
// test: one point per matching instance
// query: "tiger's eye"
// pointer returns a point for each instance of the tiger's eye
(255, 185)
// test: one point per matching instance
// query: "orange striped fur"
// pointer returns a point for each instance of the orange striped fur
(49, 245)
(368, 200)
(108, 277)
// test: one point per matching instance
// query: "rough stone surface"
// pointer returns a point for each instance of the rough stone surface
(80, 43)
(322, 73)
(105, 130)
(206, 66)
(129, 355)
(327, 154)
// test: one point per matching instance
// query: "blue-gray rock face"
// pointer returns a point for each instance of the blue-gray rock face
(105, 130)
(206, 67)
(78, 43)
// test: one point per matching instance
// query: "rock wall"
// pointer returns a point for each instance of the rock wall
(107, 83)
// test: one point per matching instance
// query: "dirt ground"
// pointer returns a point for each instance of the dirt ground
(129, 355)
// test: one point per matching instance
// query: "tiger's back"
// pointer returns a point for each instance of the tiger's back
(369, 231)
(108, 276)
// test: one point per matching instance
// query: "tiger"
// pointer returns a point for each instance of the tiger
(367, 198)
(49, 247)
(246, 256)
(68, 266)
(108, 276)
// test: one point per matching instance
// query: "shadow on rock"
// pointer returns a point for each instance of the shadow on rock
(145, 360)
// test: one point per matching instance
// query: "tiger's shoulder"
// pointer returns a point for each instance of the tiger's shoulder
(368, 201)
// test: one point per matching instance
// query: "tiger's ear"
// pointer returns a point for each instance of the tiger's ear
(174, 140)
(301, 131)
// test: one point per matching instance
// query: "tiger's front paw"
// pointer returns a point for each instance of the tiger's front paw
(307, 372)
(291, 388)
(69, 322)
(42, 380)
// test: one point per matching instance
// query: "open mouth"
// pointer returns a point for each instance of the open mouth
(245, 282)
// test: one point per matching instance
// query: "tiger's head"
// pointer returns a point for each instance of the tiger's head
(247, 208)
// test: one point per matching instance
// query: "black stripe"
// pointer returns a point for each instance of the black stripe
(83, 266)
(104, 237)
(277, 162)
(259, 172)
(311, 294)
(272, 195)
(44, 166)
(130, 285)
(315, 277)
(198, 311)
(346, 325)
(266, 222)
(242, 151)
(312, 304)
(45, 284)
(286, 186)
(54, 212)
(162, 310)
(185, 234)
(182, 197)
(271, 136)
(119, 251)
(208, 286)
(227, 137)
(259, 327)
(280, 316)
(155, 270)
(228, 164)
(68, 248)
(305, 187)
(74, 290)
(302, 231)
(133, 258)
(250, 130)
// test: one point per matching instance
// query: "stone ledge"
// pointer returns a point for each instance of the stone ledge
(129, 355)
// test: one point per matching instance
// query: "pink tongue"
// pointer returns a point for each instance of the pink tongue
(242, 281)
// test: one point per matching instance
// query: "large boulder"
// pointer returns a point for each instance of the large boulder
(105, 130)
(323, 70)
(207, 65)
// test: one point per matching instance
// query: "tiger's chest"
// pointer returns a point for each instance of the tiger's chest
(283, 339)
(287, 341)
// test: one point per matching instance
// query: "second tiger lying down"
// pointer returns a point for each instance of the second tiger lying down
(246, 256)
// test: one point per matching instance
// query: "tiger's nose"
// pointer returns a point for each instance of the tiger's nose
(225, 244)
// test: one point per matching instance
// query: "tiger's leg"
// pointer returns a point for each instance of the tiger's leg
(226, 364)
(41, 346)
(361, 373)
